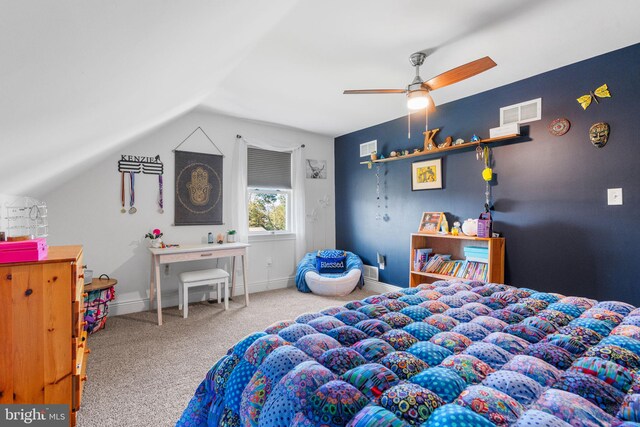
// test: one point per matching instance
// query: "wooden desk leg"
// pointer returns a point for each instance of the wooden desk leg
(158, 290)
(233, 277)
(245, 280)
(152, 282)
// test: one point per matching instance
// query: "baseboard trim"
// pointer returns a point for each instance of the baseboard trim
(380, 287)
(170, 299)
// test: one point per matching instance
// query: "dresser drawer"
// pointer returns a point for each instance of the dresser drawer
(77, 319)
(79, 350)
(78, 288)
(78, 292)
(79, 382)
(78, 283)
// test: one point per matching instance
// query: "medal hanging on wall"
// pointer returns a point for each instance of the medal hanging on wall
(132, 165)
(132, 193)
(122, 210)
(160, 196)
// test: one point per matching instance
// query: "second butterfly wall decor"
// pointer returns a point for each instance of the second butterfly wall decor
(601, 92)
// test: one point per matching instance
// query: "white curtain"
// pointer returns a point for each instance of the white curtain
(239, 200)
(298, 209)
(239, 194)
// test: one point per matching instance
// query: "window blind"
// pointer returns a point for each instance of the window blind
(268, 169)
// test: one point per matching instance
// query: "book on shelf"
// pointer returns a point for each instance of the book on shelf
(476, 248)
(474, 267)
(420, 258)
(471, 270)
(478, 259)
(435, 263)
(475, 271)
(449, 268)
(476, 254)
(476, 251)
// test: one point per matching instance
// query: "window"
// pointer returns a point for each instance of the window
(268, 211)
(269, 185)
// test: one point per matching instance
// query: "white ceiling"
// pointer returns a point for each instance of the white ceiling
(81, 78)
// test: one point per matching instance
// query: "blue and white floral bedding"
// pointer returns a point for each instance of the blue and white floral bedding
(442, 354)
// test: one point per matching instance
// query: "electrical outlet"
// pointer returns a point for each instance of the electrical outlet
(166, 269)
(614, 196)
(269, 261)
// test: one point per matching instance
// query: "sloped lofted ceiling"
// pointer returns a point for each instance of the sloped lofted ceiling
(79, 79)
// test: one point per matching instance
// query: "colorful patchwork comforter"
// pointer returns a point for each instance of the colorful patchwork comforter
(441, 354)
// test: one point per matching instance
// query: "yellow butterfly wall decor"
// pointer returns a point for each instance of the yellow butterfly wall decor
(601, 92)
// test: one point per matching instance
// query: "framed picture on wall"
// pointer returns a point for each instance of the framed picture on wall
(316, 169)
(430, 222)
(426, 175)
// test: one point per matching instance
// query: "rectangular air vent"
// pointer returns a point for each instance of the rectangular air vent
(370, 272)
(366, 148)
(523, 112)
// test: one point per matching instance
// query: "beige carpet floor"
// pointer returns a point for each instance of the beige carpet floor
(141, 374)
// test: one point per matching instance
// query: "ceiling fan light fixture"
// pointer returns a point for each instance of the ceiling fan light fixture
(417, 100)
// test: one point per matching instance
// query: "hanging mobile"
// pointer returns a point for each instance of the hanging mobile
(122, 210)
(160, 198)
(487, 172)
(132, 193)
(378, 191)
(487, 175)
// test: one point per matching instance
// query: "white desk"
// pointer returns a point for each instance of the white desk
(192, 253)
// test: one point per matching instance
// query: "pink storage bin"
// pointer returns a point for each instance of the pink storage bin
(24, 251)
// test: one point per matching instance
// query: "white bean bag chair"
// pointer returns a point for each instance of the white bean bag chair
(332, 286)
(309, 279)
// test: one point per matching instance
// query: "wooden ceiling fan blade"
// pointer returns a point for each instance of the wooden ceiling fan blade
(373, 91)
(460, 73)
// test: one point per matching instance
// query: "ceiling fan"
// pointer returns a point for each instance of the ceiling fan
(417, 91)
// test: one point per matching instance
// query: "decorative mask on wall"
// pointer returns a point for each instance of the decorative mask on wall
(599, 134)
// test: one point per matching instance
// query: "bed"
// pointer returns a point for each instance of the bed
(441, 354)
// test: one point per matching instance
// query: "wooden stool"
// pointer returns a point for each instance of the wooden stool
(192, 279)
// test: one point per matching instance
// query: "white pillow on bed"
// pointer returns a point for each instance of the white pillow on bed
(332, 286)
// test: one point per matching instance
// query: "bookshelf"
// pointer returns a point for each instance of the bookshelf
(454, 246)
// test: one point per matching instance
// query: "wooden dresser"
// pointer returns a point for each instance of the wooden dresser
(43, 352)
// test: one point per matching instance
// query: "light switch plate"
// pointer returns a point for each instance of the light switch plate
(614, 196)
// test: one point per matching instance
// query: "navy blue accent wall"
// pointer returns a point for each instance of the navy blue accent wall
(550, 193)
